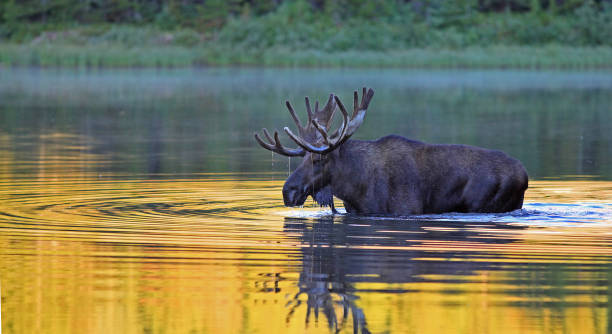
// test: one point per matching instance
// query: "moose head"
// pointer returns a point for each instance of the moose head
(317, 146)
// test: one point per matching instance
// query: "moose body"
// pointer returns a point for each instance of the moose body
(394, 175)
(397, 176)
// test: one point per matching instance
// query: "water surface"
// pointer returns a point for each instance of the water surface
(137, 201)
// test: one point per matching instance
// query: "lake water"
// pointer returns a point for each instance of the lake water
(136, 201)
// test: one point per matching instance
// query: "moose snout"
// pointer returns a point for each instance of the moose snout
(293, 195)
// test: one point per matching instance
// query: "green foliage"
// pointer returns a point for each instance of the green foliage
(593, 24)
(460, 13)
(585, 22)
(456, 24)
(288, 32)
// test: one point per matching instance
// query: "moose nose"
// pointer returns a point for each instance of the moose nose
(292, 196)
(289, 195)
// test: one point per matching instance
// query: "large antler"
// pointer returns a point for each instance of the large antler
(343, 133)
(308, 132)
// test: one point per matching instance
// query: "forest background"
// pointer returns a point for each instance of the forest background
(351, 33)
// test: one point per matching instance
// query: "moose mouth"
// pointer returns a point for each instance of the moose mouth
(294, 197)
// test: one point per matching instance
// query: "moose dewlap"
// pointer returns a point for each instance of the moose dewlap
(392, 175)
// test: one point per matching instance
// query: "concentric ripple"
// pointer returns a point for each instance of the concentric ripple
(226, 210)
(202, 211)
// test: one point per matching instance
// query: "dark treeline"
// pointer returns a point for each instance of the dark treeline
(591, 20)
(206, 14)
(340, 33)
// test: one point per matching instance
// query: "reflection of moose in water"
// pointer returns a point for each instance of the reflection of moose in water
(339, 252)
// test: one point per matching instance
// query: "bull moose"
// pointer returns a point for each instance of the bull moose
(392, 175)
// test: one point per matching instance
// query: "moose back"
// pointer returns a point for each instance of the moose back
(392, 175)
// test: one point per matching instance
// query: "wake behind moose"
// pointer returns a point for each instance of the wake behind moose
(392, 175)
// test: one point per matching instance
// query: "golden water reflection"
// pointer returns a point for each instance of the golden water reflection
(217, 253)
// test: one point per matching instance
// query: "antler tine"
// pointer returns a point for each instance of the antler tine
(331, 104)
(294, 116)
(275, 145)
(305, 145)
(363, 96)
(366, 98)
(322, 131)
(344, 117)
(325, 115)
(267, 134)
(345, 121)
(284, 150)
(355, 103)
(310, 115)
(262, 143)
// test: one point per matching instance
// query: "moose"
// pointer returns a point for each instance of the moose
(392, 175)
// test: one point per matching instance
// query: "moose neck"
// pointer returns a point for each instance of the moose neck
(348, 172)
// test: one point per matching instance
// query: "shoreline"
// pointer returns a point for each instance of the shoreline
(480, 57)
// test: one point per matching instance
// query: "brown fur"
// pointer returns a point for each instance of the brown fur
(397, 176)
